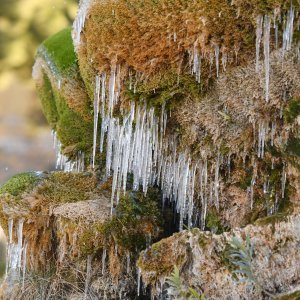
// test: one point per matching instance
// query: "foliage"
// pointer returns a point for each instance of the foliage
(177, 290)
(241, 257)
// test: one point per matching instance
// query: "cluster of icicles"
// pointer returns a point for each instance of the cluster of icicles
(62, 161)
(263, 32)
(16, 253)
(137, 144)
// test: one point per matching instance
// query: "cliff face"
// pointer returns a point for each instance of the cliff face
(193, 111)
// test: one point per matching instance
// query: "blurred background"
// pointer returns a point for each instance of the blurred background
(25, 138)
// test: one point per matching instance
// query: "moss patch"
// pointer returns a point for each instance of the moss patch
(274, 219)
(292, 296)
(292, 111)
(20, 183)
(293, 146)
(61, 50)
(137, 219)
(161, 258)
(48, 102)
(214, 222)
(67, 187)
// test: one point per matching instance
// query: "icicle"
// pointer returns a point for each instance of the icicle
(20, 242)
(217, 53)
(224, 61)
(216, 183)
(196, 66)
(79, 21)
(112, 88)
(262, 132)
(88, 275)
(96, 115)
(283, 182)
(128, 262)
(24, 264)
(103, 260)
(266, 41)
(9, 244)
(287, 37)
(259, 24)
(253, 181)
(276, 33)
(273, 133)
(138, 281)
(104, 122)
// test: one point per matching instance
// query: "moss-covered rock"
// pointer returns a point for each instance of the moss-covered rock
(67, 220)
(20, 183)
(291, 296)
(62, 93)
(205, 264)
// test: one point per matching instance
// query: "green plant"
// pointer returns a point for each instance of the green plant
(177, 290)
(241, 257)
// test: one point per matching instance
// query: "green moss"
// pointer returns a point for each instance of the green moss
(214, 223)
(72, 130)
(67, 112)
(203, 240)
(136, 219)
(246, 181)
(292, 111)
(293, 147)
(292, 296)
(274, 219)
(61, 50)
(62, 187)
(20, 183)
(48, 102)
(166, 88)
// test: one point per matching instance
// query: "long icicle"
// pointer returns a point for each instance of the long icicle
(266, 42)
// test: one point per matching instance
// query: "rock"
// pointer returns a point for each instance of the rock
(64, 221)
(204, 262)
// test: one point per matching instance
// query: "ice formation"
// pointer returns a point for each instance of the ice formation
(88, 275)
(287, 37)
(266, 42)
(263, 32)
(259, 24)
(79, 21)
(195, 63)
(62, 161)
(137, 144)
(16, 252)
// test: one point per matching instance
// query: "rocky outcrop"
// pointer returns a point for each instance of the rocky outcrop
(63, 240)
(205, 262)
(194, 110)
